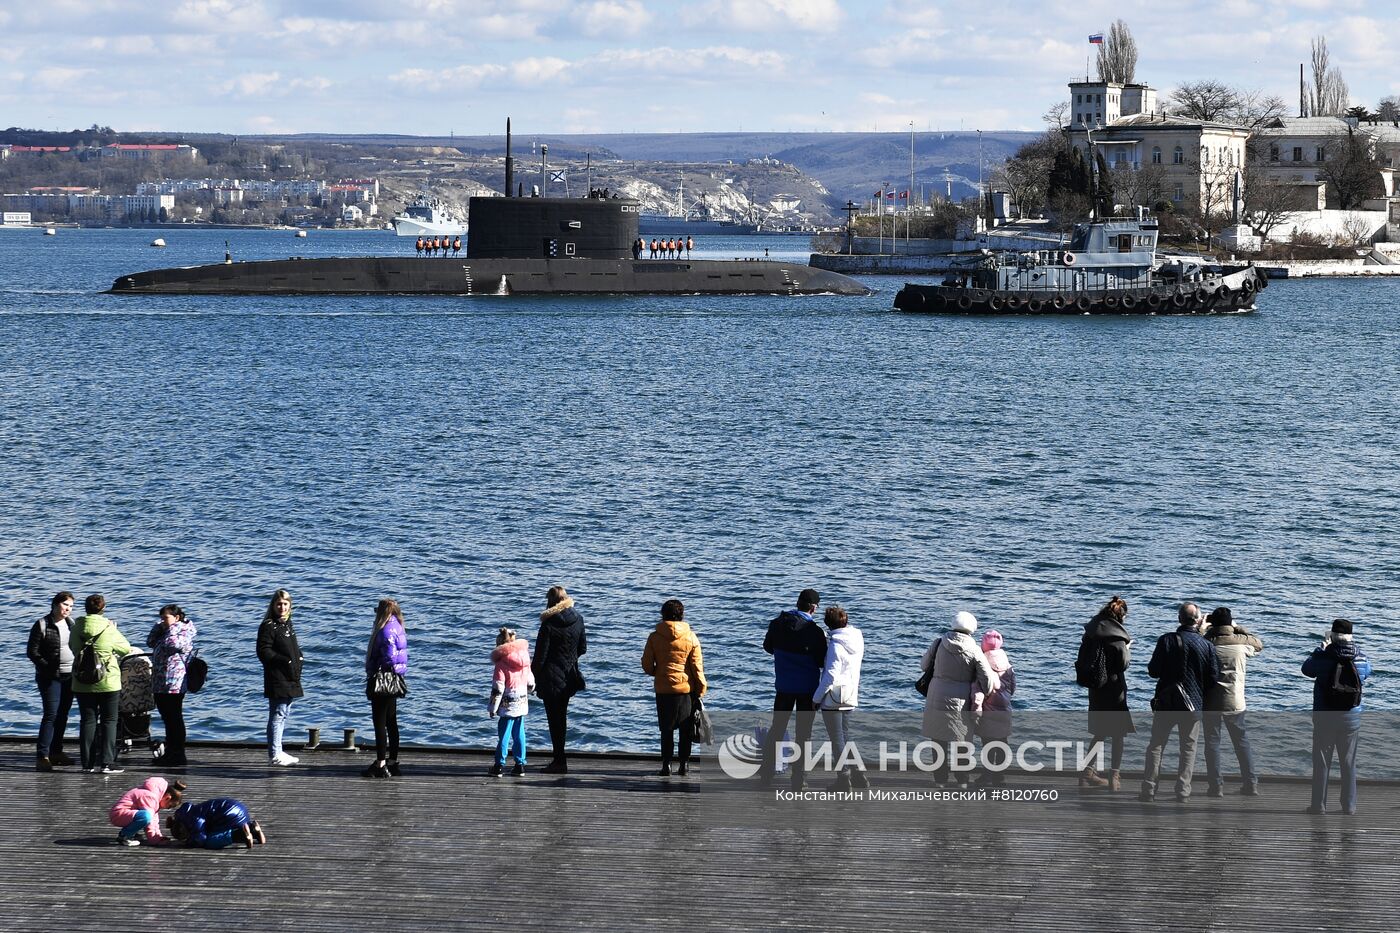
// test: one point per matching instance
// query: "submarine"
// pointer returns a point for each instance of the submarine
(517, 245)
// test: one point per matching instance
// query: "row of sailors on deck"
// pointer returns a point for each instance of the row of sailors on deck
(666, 248)
(435, 244)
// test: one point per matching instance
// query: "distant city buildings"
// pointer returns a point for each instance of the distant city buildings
(84, 205)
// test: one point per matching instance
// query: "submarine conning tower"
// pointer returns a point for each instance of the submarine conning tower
(552, 228)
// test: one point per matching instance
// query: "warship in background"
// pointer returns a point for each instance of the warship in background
(428, 216)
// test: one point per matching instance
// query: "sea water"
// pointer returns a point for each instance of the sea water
(463, 455)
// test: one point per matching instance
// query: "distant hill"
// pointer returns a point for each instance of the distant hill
(850, 165)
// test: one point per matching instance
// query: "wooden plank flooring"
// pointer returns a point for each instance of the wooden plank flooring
(613, 847)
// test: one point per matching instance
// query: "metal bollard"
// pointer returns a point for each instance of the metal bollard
(313, 740)
(349, 745)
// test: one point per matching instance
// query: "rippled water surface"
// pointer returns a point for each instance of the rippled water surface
(464, 454)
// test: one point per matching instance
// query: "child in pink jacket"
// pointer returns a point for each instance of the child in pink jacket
(993, 708)
(512, 682)
(138, 808)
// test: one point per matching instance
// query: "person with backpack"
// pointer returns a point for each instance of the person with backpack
(1186, 668)
(1339, 670)
(51, 653)
(798, 648)
(97, 685)
(172, 642)
(1102, 668)
(560, 642)
(1225, 705)
(281, 658)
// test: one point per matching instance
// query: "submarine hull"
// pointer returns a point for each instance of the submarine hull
(490, 276)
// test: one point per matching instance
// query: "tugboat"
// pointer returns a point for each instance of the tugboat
(1109, 267)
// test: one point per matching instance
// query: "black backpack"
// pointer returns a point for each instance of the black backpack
(1091, 666)
(87, 666)
(1343, 690)
(196, 672)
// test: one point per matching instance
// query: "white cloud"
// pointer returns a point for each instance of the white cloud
(822, 16)
(604, 18)
(253, 84)
(220, 17)
(58, 78)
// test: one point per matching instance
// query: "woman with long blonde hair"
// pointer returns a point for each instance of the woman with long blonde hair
(386, 663)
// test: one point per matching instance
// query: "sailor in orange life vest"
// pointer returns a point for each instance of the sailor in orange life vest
(689, 245)
(456, 245)
(419, 246)
(653, 247)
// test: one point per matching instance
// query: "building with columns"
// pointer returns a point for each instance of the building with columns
(1191, 162)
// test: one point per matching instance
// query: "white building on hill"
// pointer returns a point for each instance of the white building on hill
(1195, 160)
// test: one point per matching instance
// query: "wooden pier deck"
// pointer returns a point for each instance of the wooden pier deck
(611, 846)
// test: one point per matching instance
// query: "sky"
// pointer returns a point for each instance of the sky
(433, 67)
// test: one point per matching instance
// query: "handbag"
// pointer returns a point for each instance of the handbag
(388, 684)
(196, 673)
(926, 678)
(573, 680)
(702, 729)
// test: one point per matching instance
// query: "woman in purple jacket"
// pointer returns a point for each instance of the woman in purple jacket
(386, 663)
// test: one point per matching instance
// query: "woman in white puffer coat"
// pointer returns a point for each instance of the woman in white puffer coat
(958, 667)
(838, 692)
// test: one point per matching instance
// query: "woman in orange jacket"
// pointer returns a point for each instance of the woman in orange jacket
(672, 657)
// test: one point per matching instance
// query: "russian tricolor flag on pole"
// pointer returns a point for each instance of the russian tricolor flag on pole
(1096, 39)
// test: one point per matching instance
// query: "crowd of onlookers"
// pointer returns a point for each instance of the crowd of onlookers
(1200, 669)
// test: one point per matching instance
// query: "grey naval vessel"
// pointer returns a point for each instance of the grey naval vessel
(516, 246)
(1109, 267)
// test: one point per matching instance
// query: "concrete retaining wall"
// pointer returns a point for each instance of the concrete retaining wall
(1325, 267)
(889, 265)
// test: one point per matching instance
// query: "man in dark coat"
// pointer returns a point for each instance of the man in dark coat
(1185, 667)
(555, 665)
(798, 647)
(1339, 670)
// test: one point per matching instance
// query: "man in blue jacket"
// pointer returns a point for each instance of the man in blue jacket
(1338, 669)
(1185, 667)
(798, 647)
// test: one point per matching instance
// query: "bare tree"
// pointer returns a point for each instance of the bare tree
(1351, 169)
(1257, 109)
(1118, 55)
(1026, 175)
(1218, 102)
(1204, 100)
(1216, 190)
(1055, 116)
(1267, 202)
(1330, 96)
(1356, 231)
(1139, 187)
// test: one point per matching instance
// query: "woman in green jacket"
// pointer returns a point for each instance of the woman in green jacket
(97, 702)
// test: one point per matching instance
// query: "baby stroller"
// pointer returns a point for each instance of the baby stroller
(135, 703)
